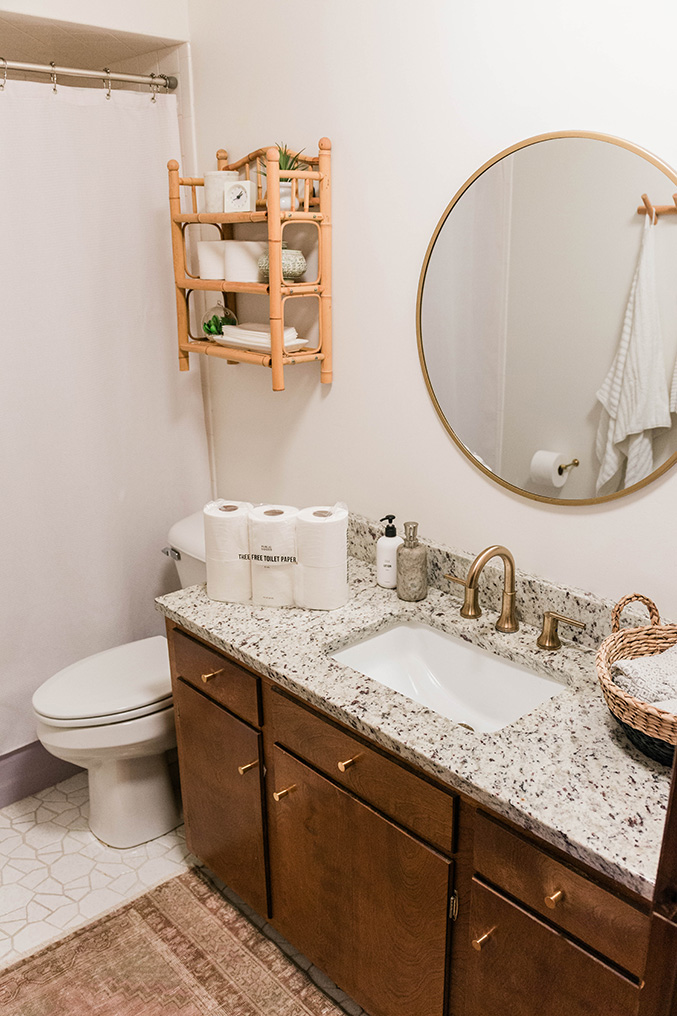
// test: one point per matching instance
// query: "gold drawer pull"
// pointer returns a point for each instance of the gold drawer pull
(552, 901)
(477, 943)
(348, 762)
(245, 768)
(279, 794)
(214, 673)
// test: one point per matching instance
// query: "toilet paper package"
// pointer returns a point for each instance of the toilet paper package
(227, 550)
(321, 581)
(321, 588)
(272, 548)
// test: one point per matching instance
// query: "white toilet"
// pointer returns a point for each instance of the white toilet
(112, 714)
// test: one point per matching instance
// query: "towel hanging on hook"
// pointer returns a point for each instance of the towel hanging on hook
(656, 211)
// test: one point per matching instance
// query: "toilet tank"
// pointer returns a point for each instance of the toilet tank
(187, 549)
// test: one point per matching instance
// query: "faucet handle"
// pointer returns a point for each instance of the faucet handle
(471, 607)
(549, 637)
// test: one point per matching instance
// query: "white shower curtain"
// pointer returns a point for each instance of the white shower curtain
(103, 442)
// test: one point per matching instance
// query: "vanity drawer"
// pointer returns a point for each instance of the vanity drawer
(218, 677)
(572, 902)
(520, 966)
(393, 789)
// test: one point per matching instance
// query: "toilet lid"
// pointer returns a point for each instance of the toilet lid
(129, 679)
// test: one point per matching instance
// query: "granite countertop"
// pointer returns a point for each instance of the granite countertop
(565, 771)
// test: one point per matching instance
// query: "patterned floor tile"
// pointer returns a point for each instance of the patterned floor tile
(56, 876)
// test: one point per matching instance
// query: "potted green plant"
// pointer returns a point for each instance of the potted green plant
(288, 161)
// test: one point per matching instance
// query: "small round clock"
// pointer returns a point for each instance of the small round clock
(238, 197)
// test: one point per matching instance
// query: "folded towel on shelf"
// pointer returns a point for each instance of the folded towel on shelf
(255, 336)
(649, 678)
(634, 395)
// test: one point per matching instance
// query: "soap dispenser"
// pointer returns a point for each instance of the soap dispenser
(386, 555)
(412, 566)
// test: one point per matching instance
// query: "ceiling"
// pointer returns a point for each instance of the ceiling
(37, 40)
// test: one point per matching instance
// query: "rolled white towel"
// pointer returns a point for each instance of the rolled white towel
(648, 678)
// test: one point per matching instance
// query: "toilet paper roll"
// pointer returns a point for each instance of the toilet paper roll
(227, 561)
(272, 547)
(544, 468)
(322, 536)
(321, 588)
(215, 188)
(240, 259)
(272, 534)
(210, 258)
(273, 585)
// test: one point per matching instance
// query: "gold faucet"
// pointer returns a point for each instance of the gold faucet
(507, 622)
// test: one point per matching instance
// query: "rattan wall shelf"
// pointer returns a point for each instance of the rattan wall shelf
(312, 208)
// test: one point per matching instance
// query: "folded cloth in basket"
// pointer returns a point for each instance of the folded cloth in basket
(648, 678)
(257, 337)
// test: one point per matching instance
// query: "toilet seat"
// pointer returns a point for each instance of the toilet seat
(111, 687)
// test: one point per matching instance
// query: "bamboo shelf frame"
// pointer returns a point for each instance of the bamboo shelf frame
(313, 208)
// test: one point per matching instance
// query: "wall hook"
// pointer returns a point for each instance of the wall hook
(53, 75)
(4, 79)
(107, 84)
(649, 208)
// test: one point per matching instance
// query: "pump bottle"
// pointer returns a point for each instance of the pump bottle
(386, 555)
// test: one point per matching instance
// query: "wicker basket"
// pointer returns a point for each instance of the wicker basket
(651, 730)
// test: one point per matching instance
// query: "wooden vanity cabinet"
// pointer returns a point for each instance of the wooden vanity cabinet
(411, 898)
(555, 942)
(358, 895)
(524, 967)
(221, 767)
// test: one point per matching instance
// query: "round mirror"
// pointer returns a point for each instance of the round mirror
(547, 318)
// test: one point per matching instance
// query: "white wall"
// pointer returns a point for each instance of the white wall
(163, 18)
(575, 241)
(415, 97)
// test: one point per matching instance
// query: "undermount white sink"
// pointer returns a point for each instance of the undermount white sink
(469, 685)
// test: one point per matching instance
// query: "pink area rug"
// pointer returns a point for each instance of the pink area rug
(180, 949)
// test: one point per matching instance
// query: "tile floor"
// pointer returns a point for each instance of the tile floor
(56, 876)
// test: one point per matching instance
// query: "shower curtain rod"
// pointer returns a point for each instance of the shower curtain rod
(161, 80)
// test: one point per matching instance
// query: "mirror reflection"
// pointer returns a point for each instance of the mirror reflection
(548, 318)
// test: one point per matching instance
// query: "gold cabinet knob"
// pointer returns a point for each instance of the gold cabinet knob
(247, 766)
(348, 762)
(552, 901)
(478, 943)
(214, 673)
(279, 794)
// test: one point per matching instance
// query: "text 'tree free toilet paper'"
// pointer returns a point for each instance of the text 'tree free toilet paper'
(321, 581)
(227, 550)
(272, 549)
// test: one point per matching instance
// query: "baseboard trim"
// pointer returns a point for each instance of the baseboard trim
(29, 769)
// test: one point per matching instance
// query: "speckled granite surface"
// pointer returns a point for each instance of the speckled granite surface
(564, 771)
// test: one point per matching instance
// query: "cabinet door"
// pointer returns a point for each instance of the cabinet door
(222, 806)
(364, 900)
(523, 967)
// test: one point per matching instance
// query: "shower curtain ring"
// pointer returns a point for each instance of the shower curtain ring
(53, 75)
(154, 87)
(4, 79)
(107, 82)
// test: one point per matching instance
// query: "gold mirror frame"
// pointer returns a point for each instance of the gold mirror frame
(569, 502)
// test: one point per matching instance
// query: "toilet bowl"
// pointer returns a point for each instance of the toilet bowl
(112, 714)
